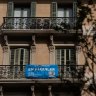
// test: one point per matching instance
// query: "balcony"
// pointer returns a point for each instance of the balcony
(39, 24)
(72, 73)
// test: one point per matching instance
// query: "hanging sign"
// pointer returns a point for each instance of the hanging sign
(41, 71)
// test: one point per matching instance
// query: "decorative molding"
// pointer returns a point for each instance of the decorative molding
(64, 45)
(78, 49)
(5, 39)
(18, 45)
(5, 49)
(33, 49)
(51, 39)
(51, 48)
(33, 40)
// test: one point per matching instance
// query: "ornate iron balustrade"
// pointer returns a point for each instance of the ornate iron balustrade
(12, 72)
(71, 71)
(17, 71)
(39, 23)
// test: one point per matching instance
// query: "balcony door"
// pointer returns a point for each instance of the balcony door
(20, 22)
(18, 58)
(66, 59)
(66, 13)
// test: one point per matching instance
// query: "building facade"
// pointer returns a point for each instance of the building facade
(32, 33)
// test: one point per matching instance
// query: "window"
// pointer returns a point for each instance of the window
(19, 56)
(66, 59)
(66, 12)
(21, 13)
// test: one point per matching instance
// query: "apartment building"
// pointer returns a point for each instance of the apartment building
(31, 33)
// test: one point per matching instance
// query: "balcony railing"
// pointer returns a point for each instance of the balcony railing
(39, 23)
(18, 72)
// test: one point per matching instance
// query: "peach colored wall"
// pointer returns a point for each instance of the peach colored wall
(80, 58)
(3, 10)
(43, 8)
(42, 54)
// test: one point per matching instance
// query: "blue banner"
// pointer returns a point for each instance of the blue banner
(41, 71)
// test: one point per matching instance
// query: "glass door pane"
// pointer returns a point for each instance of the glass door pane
(60, 12)
(25, 14)
(17, 14)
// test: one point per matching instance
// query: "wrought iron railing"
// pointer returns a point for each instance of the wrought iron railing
(71, 71)
(18, 72)
(39, 23)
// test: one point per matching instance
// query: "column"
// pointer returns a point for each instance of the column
(32, 89)
(49, 89)
(1, 91)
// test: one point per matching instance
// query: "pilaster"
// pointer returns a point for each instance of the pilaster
(32, 54)
(5, 55)
(52, 54)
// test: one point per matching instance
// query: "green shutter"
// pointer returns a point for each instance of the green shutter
(74, 8)
(33, 8)
(54, 9)
(10, 9)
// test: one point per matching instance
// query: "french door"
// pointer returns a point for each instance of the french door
(66, 13)
(66, 60)
(18, 58)
(20, 21)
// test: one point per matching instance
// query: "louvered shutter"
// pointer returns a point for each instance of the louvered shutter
(12, 56)
(74, 8)
(33, 8)
(26, 56)
(54, 9)
(10, 8)
(17, 57)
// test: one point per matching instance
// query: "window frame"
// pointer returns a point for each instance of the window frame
(19, 55)
(66, 70)
(65, 48)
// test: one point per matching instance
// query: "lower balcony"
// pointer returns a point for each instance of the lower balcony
(14, 73)
(39, 24)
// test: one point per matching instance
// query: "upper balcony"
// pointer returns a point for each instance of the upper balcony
(11, 73)
(39, 24)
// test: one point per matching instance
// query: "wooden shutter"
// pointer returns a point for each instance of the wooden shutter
(74, 8)
(10, 9)
(54, 9)
(17, 57)
(26, 56)
(33, 8)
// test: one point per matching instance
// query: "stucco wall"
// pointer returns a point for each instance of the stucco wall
(3, 10)
(43, 8)
(42, 53)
